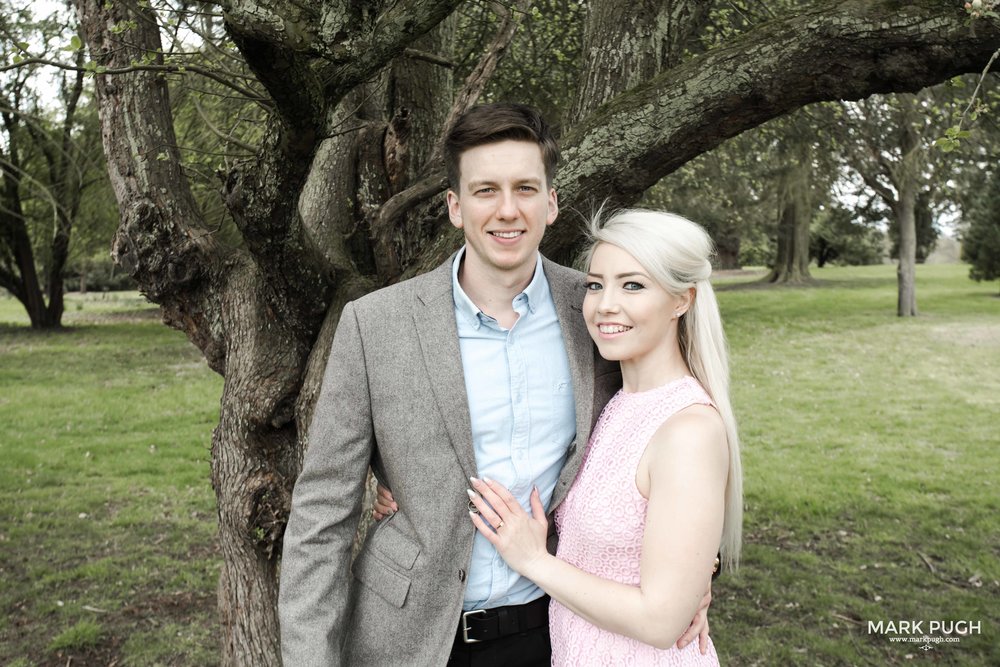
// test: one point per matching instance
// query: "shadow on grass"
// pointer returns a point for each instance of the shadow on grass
(82, 322)
(11, 329)
(849, 283)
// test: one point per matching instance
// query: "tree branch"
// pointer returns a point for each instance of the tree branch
(219, 133)
(432, 58)
(841, 50)
(387, 37)
(883, 191)
(155, 67)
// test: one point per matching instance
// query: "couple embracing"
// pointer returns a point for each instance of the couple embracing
(502, 390)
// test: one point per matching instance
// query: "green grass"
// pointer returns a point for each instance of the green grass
(107, 517)
(85, 634)
(869, 447)
(870, 457)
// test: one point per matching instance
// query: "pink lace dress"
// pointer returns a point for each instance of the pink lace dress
(601, 523)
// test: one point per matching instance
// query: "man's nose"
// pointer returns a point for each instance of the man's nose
(507, 206)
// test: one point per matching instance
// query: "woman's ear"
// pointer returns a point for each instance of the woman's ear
(686, 301)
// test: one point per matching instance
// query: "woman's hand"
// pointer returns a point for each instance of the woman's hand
(699, 626)
(518, 537)
(384, 504)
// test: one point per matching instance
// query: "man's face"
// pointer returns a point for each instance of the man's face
(503, 206)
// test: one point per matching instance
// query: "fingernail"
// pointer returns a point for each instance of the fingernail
(487, 479)
(473, 480)
(472, 494)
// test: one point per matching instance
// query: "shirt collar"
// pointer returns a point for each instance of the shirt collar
(533, 294)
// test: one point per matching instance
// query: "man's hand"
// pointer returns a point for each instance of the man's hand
(699, 626)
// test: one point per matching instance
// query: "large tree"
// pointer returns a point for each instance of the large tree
(342, 195)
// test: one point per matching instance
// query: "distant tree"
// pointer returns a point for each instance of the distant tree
(49, 156)
(888, 143)
(727, 191)
(981, 240)
(840, 236)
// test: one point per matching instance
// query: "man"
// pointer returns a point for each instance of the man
(482, 367)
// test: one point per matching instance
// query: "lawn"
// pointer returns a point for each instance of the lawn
(870, 449)
(107, 519)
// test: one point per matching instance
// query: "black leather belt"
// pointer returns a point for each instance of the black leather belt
(483, 624)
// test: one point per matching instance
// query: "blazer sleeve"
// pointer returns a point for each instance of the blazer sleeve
(315, 569)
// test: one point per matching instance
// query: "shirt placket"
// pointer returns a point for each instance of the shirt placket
(517, 376)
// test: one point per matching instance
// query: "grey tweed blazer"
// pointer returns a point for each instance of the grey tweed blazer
(393, 396)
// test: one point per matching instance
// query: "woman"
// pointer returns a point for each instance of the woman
(659, 490)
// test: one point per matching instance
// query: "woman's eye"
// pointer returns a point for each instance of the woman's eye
(592, 287)
(633, 286)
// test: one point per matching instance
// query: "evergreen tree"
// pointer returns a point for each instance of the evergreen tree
(981, 242)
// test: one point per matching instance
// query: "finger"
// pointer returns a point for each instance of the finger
(480, 525)
(686, 638)
(485, 510)
(505, 495)
(383, 498)
(487, 492)
(537, 509)
(378, 516)
(703, 639)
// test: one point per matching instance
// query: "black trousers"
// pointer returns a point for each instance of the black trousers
(525, 649)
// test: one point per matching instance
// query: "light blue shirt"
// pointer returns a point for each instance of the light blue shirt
(523, 417)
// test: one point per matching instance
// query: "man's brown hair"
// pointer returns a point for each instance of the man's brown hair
(490, 123)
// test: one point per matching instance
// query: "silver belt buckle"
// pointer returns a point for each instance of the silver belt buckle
(465, 625)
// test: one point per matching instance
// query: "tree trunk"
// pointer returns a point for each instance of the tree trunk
(21, 278)
(727, 253)
(224, 303)
(906, 271)
(794, 215)
(23, 283)
(623, 48)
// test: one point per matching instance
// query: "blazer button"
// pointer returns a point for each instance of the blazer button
(461, 575)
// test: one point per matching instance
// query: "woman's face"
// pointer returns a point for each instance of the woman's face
(629, 316)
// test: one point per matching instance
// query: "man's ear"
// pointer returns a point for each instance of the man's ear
(454, 210)
(553, 207)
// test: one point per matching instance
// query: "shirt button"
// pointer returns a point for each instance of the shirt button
(461, 575)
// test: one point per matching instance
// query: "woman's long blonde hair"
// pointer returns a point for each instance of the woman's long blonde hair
(676, 252)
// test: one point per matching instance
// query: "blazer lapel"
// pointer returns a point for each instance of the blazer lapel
(567, 293)
(437, 331)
